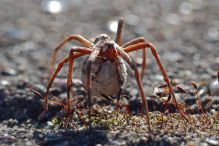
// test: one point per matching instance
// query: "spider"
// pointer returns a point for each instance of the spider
(104, 72)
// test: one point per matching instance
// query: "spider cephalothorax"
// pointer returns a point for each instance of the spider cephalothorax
(104, 71)
(100, 38)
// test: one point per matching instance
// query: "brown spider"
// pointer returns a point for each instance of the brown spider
(104, 72)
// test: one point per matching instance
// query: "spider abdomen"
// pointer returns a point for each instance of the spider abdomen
(106, 76)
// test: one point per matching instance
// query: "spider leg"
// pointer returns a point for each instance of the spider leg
(140, 87)
(218, 76)
(118, 39)
(119, 93)
(70, 70)
(90, 61)
(166, 79)
(78, 38)
(136, 41)
(52, 78)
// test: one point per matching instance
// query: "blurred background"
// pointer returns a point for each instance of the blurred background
(186, 32)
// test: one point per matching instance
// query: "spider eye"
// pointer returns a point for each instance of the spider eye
(96, 40)
(111, 45)
(101, 37)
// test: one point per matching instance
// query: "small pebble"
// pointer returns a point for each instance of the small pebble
(55, 91)
(173, 19)
(212, 141)
(186, 8)
(133, 92)
(3, 93)
(29, 143)
(8, 72)
(119, 142)
(190, 100)
(191, 143)
(203, 144)
(214, 88)
(12, 122)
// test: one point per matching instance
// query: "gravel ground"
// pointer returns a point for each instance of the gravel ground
(186, 34)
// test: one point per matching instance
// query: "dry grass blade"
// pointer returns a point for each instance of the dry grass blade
(194, 85)
(218, 76)
(36, 92)
(181, 89)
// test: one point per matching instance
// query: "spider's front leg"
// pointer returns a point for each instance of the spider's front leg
(146, 45)
(78, 38)
(81, 51)
(144, 53)
(118, 40)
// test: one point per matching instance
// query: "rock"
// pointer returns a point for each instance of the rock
(119, 142)
(8, 72)
(191, 143)
(11, 122)
(55, 91)
(3, 93)
(133, 92)
(215, 100)
(190, 100)
(203, 144)
(214, 88)
(135, 105)
(212, 142)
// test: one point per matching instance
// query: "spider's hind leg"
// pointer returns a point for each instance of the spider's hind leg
(153, 49)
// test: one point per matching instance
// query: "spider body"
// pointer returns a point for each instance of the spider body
(104, 71)
(108, 74)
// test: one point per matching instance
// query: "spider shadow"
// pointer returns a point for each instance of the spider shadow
(69, 137)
